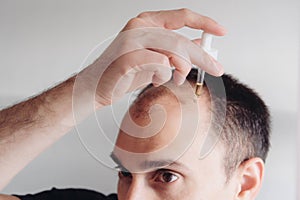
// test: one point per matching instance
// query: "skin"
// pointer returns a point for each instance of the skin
(186, 177)
(28, 128)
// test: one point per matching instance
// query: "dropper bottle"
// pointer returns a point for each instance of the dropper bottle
(206, 41)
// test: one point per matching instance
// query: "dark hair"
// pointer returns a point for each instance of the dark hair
(246, 129)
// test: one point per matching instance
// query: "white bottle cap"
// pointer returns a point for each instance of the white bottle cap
(206, 41)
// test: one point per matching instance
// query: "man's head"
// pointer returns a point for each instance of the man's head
(159, 146)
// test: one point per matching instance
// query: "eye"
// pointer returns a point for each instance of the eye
(166, 177)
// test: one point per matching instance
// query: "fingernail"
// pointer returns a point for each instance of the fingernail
(219, 69)
(180, 81)
(156, 84)
(223, 29)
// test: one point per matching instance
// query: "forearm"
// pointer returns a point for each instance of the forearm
(8, 197)
(26, 129)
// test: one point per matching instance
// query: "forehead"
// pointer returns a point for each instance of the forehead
(160, 115)
(162, 129)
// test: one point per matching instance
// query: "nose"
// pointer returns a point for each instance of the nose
(138, 190)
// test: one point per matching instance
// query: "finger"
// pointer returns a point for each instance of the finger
(197, 41)
(182, 53)
(204, 61)
(176, 19)
(162, 76)
(182, 68)
(181, 64)
(147, 66)
(176, 46)
(168, 43)
(154, 73)
(182, 61)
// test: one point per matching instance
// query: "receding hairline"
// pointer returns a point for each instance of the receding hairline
(243, 136)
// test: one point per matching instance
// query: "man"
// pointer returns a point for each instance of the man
(35, 128)
(232, 169)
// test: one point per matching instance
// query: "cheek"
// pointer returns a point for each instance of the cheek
(213, 186)
(208, 181)
(183, 189)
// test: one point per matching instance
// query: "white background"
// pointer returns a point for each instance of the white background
(44, 42)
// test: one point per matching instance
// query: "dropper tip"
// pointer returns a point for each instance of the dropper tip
(198, 90)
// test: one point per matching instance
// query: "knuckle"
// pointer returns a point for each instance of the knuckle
(155, 58)
(164, 60)
(134, 22)
(182, 68)
(143, 15)
(187, 14)
(179, 43)
(185, 11)
(185, 70)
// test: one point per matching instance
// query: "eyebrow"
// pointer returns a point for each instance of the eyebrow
(118, 162)
(152, 164)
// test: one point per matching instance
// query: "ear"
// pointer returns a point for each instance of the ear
(251, 177)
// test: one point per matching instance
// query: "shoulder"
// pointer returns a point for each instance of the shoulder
(66, 194)
(8, 197)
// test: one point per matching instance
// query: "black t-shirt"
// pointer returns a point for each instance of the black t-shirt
(67, 194)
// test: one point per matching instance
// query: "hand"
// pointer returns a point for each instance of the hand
(146, 50)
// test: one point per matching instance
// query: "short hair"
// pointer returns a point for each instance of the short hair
(246, 130)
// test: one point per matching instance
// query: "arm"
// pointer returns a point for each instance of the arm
(8, 197)
(26, 129)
